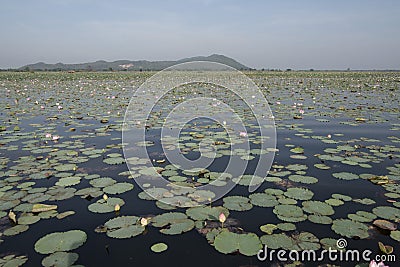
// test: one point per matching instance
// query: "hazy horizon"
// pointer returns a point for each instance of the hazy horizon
(259, 34)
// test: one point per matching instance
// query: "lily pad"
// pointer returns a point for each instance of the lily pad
(389, 213)
(228, 242)
(299, 193)
(237, 203)
(159, 247)
(345, 175)
(118, 188)
(303, 179)
(173, 223)
(60, 259)
(350, 229)
(263, 200)
(104, 206)
(124, 227)
(318, 207)
(60, 241)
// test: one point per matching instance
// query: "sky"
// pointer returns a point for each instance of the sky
(320, 34)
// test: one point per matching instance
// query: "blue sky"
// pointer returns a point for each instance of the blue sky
(322, 34)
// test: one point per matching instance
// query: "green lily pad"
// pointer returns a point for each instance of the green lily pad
(289, 213)
(118, 188)
(60, 241)
(102, 182)
(65, 167)
(389, 213)
(277, 241)
(268, 228)
(286, 226)
(69, 181)
(15, 230)
(299, 193)
(60, 259)
(114, 160)
(303, 179)
(395, 235)
(350, 229)
(173, 222)
(321, 219)
(123, 227)
(318, 207)
(263, 200)
(345, 175)
(159, 247)
(28, 219)
(228, 242)
(297, 150)
(202, 213)
(248, 179)
(104, 206)
(237, 203)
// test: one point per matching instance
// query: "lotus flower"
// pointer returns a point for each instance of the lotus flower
(105, 197)
(144, 221)
(242, 134)
(117, 207)
(56, 137)
(301, 111)
(222, 218)
(374, 264)
(48, 135)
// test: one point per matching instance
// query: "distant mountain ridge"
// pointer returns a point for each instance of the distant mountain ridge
(102, 65)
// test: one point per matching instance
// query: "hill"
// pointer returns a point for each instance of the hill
(102, 65)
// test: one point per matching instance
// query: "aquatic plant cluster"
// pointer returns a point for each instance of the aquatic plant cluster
(65, 187)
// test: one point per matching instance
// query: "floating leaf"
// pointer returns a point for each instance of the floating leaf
(159, 247)
(15, 230)
(237, 203)
(389, 213)
(263, 200)
(317, 207)
(228, 242)
(299, 193)
(102, 206)
(175, 222)
(289, 213)
(345, 175)
(124, 227)
(303, 179)
(268, 228)
(350, 228)
(60, 241)
(395, 235)
(385, 248)
(118, 188)
(60, 259)
(202, 213)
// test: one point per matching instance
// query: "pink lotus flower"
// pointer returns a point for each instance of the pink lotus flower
(56, 137)
(222, 219)
(48, 135)
(41, 107)
(374, 264)
(59, 107)
(301, 111)
(242, 134)
(278, 102)
(329, 136)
